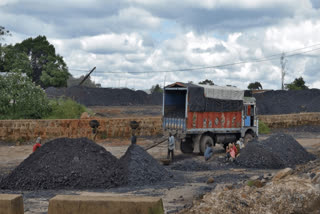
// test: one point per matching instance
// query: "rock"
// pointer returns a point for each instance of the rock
(210, 180)
(255, 177)
(228, 187)
(316, 178)
(282, 173)
(264, 180)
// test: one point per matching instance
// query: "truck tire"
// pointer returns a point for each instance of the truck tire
(186, 146)
(205, 140)
(248, 137)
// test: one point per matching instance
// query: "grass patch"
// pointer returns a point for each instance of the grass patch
(65, 108)
(263, 128)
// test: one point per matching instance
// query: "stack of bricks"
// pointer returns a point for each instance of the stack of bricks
(25, 130)
(289, 120)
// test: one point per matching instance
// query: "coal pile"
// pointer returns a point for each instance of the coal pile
(106, 96)
(191, 165)
(64, 164)
(255, 155)
(288, 102)
(276, 152)
(137, 167)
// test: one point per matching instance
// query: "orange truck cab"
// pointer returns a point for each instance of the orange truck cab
(202, 115)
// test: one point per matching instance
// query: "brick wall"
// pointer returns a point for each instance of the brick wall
(25, 130)
(287, 120)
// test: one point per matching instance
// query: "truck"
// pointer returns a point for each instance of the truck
(201, 115)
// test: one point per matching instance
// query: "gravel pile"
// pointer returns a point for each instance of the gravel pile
(138, 167)
(191, 165)
(287, 102)
(106, 96)
(278, 151)
(62, 164)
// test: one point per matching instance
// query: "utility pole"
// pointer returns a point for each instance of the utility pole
(283, 63)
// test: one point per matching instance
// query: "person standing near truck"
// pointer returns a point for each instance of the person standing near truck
(171, 145)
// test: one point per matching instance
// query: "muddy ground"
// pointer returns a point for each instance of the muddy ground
(177, 193)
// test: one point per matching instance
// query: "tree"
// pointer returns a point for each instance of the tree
(54, 72)
(4, 32)
(13, 61)
(206, 82)
(72, 81)
(255, 86)
(297, 84)
(156, 88)
(48, 68)
(20, 98)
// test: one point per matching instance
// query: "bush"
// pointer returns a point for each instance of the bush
(65, 109)
(20, 98)
(263, 128)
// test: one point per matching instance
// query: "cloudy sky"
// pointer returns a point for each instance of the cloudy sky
(139, 43)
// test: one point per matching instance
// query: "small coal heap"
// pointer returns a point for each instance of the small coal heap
(276, 152)
(137, 167)
(64, 163)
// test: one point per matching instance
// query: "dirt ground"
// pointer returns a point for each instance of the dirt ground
(126, 111)
(177, 193)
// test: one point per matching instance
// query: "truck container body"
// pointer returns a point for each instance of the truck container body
(201, 115)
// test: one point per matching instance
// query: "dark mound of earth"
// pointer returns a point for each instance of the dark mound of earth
(191, 165)
(64, 164)
(106, 96)
(278, 151)
(288, 102)
(137, 167)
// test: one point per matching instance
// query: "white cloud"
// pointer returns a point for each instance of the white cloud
(128, 36)
(110, 43)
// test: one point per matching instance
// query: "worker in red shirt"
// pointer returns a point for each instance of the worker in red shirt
(37, 145)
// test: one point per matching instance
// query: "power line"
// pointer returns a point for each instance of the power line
(268, 58)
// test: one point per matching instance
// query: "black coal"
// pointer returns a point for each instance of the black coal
(278, 151)
(288, 102)
(81, 164)
(106, 96)
(64, 163)
(191, 165)
(137, 167)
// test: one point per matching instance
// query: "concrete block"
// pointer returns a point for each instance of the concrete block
(11, 204)
(67, 204)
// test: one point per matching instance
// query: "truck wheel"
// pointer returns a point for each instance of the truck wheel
(205, 140)
(186, 146)
(248, 137)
